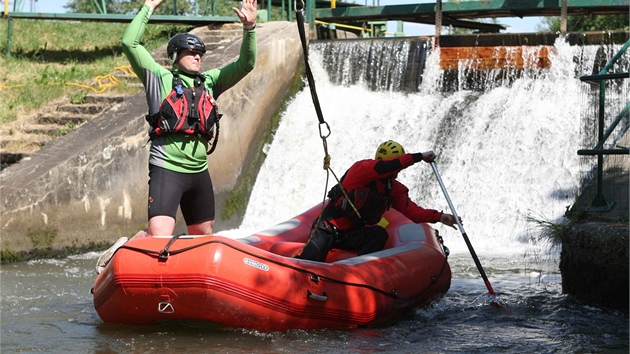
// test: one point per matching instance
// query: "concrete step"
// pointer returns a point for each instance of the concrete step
(86, 108)
(105, 98)
(64, 119)
(47, 129)
(212, 46)
(23, 142)
(213, 42)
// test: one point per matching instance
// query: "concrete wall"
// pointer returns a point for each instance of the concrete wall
(91, 185)
(594, 264)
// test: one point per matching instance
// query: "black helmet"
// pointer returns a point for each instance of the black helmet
(184, 41)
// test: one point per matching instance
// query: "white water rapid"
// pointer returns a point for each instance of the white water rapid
(503, 153)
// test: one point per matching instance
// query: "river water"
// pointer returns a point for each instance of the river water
(505, 153)
(47, 307)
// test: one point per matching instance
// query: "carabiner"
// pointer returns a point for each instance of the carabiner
(320, 130)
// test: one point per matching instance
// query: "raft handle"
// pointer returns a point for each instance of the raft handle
(322, 297)
(165, 307)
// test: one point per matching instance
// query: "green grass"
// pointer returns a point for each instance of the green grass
(548, 230)
(53, 59)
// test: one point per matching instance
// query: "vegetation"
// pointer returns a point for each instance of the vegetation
(548, 230)
(49, 59)
(581, 23)
(588, 23)
(554, 231)
(50, 252)
(168, 7)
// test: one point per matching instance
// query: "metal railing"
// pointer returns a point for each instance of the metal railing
(599, 203)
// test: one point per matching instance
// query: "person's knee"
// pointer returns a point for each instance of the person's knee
(318, 245)
(161, 226)
(202, 228)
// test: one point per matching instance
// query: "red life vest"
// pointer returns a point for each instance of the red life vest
(186, 110)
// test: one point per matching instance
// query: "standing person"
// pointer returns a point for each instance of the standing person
(372, 188)
(178, 164)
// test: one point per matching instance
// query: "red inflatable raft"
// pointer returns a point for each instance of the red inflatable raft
(254, 282)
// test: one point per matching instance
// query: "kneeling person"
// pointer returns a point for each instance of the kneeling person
(371, 187)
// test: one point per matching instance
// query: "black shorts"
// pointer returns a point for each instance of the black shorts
(191, 191)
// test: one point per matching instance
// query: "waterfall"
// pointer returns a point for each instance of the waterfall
(504, 152)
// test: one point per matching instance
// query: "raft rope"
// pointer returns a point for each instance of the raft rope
(322, 123)
(163, 255)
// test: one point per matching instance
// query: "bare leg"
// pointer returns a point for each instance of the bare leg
(161, 225)
(202, 228)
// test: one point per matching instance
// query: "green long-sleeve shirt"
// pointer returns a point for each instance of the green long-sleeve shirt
(179, 152)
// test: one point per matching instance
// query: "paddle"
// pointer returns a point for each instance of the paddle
(461, 228)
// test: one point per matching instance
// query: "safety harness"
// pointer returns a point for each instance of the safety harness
(364, 206)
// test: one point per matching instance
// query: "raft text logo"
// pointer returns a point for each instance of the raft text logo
(256, 264)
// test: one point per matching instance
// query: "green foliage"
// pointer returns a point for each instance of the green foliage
(49, 252)
(42, 237)
(64, 130)
(586, 23)
(555, 231)
(47, 56)
(78, 97)
(548, 230)
(183, 8)
(168, 7)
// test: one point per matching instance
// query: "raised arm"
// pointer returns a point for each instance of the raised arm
(139, 58)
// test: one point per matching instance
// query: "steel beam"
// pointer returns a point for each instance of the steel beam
(425, 13)
(170, 19)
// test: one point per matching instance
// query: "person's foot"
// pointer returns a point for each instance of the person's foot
(107, 255)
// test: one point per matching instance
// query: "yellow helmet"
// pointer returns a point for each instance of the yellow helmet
(388, 150)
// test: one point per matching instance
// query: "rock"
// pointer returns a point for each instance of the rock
(594, 264)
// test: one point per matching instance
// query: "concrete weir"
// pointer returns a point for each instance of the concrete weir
(90, 187)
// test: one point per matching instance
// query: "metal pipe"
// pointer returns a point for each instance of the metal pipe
(623, 151)
(464, 235)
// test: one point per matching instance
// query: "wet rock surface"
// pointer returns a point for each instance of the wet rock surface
(594, 264)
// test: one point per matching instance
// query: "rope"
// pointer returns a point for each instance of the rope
(165, 253)
(103, 82)
(318, 110)
(322, 123)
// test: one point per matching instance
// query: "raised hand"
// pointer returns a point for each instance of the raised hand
(428, 156)
(247, 12)
(153, 3)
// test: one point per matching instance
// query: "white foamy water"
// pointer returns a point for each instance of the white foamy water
(503, 153)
